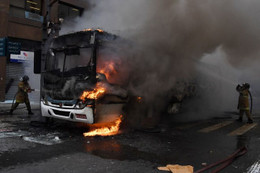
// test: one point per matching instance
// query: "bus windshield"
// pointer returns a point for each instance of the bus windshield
(64, 63)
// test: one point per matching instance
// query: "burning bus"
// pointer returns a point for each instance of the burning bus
(71, 86)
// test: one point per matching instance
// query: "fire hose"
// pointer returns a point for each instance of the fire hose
(225, 162)
(251, 99)
(14, 100)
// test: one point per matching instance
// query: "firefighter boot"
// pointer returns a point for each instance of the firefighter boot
(240, 119)
(29, 108)
(30, 113)
(250, 121)
(13, 108)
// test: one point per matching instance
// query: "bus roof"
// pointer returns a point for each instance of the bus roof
(81, 39)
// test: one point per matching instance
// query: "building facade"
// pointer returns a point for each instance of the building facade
(22, 23)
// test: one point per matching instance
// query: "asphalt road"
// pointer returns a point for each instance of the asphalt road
(29, 145)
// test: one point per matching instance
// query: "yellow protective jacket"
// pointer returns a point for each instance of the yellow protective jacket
(22, 93)
(243, 102)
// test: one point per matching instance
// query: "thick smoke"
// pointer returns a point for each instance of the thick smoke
(169, 40)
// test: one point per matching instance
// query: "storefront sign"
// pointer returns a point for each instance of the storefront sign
(9, 47)
(24, 56)
(13, 47)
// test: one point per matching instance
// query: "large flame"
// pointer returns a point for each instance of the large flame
(108, 130)
(108, 68)
(94, 94)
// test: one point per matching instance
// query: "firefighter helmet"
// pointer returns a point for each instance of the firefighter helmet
(25, 78)
(246, 85)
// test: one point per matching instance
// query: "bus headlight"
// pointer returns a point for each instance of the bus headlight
(81, 105)
(45, 101)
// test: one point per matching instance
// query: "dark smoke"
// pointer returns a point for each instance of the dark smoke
(171, 38)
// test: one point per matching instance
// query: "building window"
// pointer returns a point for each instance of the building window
(66, 11)
(33, 6)
(17, 8)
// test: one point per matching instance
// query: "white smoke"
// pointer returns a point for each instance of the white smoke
(169, 37)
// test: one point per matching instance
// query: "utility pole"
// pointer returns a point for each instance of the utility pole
(49, 29)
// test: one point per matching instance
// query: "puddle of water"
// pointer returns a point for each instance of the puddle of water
(5, 125)
(9, 134)
(111, 149)
(48, 139)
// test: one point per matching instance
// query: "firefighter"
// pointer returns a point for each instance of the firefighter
(22, 95)
(243, 102)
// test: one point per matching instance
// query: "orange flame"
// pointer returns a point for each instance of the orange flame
(99, 30)
(108, 69)
(111, 129)
(88, 29)
(95, 94)
(139, 99)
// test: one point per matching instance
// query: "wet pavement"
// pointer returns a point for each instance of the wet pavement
(31, 145)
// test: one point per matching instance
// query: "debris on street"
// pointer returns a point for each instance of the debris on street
(177, 168)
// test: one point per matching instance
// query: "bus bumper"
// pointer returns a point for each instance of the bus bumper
(85, 115)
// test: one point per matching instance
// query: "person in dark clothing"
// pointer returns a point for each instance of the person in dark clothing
(243, 102)
(22, 95)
